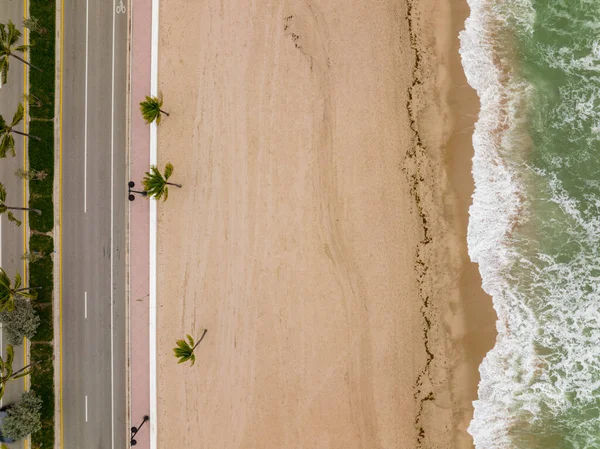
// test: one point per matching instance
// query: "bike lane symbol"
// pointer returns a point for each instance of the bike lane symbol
(121, 8)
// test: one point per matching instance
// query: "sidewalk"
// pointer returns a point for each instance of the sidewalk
(141, 20)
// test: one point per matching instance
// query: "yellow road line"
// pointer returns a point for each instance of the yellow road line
(25, 151)
(25, 143)
(60, 220)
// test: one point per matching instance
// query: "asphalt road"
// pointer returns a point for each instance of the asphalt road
(93, 225)
(11, 237)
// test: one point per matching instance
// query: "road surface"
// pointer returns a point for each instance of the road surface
(93, 225)
(12, 238)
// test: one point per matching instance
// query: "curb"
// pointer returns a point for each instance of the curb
(128, 406)
(57, 231)
(153, 226)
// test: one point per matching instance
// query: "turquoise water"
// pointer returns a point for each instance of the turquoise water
(535, 220)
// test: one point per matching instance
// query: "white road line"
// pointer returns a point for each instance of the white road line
(153, 225)
(112, 240)
(85, 305)
(86, 413)
(85, 120)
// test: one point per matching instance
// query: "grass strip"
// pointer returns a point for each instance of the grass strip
(41, 158)
(42, 382)
(45, 330)
(41, 84)
(40, 271)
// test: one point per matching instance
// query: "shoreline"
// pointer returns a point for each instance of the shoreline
(326, 257)
(459, 315)
(481, 330)
(480, 317)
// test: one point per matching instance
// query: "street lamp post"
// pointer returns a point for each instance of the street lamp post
(135, 430)
(131, 185)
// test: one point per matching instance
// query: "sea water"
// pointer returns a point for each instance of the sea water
(534, 224)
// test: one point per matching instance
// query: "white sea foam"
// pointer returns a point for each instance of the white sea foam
(496, 205)
(544, 365)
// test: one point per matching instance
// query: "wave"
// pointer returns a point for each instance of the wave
(535, 240)
(497, 204)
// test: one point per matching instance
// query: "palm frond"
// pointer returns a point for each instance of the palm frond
(8, 291)
(155, 184)
(3, 33)
(9, 36)
(168, 170)
(6, 305)
(27, 294)
(183, 359)
(4, 208)
(2, 193)
(4, 279)
(7, 145)
(5, 300)
(155, 172)
(27, 372)
(13, 34)
(150, 109)
(4, 68)
(184, 350)
(22, 48)
(11, 217)
(18, 115)
(10, 357)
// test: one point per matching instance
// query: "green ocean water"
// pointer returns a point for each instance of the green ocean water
(534, 224)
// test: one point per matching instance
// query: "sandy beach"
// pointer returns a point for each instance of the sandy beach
(324, 151)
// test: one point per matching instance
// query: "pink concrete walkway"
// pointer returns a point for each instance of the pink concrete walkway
(141, 15)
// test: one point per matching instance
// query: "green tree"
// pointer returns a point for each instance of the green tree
(9, 36)
(7, 209)
(156, 183)
(21, 323)
(151, 109)
(185, 349)
(24, 418)
(7, 144)
(9, 291)
(6, 369)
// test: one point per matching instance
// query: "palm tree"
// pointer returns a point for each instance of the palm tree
(185, 351)
(151, 109)
(8, 142)
(7, 209)
(9, 292)
(6, 369)
(156, 184)
(9, 35)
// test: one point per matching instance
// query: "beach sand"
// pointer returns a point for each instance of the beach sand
(324, 148)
